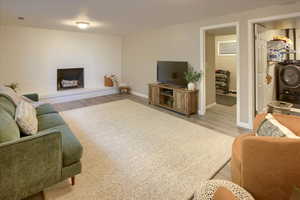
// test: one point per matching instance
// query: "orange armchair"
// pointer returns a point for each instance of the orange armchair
(268, 167)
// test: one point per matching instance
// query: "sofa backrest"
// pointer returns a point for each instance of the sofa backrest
(290, 121)
(9, 129)
(7, 105)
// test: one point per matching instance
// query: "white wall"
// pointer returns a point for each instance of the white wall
(227, 62)
(182, 42)
(30, 56)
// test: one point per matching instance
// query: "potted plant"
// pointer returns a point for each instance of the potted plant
(192, 77)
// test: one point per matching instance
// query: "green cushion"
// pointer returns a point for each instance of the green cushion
(49, 121)
(8, 106)
(45, 109)
(32, 97)
(9, 129)
(72, 149)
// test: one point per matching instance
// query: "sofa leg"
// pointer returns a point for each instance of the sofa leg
(73, 180)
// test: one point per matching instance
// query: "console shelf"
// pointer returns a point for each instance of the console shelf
(177, 99)
(166, 94)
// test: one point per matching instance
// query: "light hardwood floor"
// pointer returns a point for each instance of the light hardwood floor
(220, 118)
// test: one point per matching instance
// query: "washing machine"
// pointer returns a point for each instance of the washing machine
(288, 81)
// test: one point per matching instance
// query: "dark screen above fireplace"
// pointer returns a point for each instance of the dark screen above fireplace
(70, 78)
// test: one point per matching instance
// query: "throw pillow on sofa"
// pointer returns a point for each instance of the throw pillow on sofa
(26, 118)
(271, 127)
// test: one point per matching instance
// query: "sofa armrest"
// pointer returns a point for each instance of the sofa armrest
(33, 96)
(270, 166)
(30, 164)
(258, 120)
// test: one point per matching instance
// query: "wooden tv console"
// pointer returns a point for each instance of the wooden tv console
(179, 100)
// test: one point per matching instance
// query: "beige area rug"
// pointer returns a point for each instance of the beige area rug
(134, 152)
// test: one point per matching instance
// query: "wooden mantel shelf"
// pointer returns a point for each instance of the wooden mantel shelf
(177, 99)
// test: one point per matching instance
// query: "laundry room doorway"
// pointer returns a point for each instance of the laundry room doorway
(277, 65)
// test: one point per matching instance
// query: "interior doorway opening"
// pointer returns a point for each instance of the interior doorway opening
(277, 66)
(220, 67)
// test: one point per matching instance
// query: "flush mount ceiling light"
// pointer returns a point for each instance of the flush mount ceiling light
(83, 25)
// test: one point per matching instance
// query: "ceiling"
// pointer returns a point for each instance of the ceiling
(119, 16)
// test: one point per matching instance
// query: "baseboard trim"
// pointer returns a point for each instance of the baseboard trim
(77, 95)
(244, 125)
(239, 124)
(211, 105)
(200, 112)
(139, 94)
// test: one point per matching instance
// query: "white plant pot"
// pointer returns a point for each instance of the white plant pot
(191, 86)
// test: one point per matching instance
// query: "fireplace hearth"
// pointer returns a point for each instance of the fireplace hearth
(70, 78)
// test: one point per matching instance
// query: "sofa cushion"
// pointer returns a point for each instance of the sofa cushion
(45, 109)
(31, 97)
(8, 127)
(8, 105)
(49, 121)
(72, 149)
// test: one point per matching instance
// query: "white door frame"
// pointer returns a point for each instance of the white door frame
(251, 58)
(202, 91)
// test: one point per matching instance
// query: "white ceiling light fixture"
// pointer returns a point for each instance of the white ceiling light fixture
(83, 25)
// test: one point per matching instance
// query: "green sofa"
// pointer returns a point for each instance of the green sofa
(29, 164)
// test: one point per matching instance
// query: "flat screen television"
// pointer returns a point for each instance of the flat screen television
(172, 73)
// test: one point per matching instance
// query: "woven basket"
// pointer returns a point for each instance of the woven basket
(108, 82)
